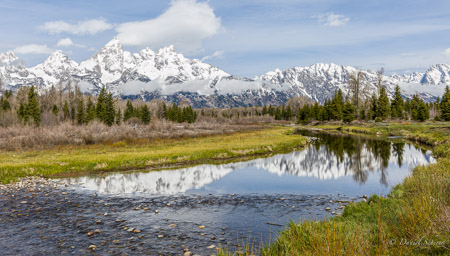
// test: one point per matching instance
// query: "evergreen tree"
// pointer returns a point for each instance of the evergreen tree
(81, 118)
(419, 110)
(383, 105)
(100, 107)
(90, 111)
(118, 116)
(164, 113)
(422, 112)
(66, 110)
(22, 113)
(33, 109)
(108, 112)
(348, 112)
(145, 114)
(129, 111)
(4, 103)
(445, 105)
(72, 113)
(373, 108)
(55, 110)
(337, 104)
(407, 108)
(264, 111)
(397, 105)
(316, 111)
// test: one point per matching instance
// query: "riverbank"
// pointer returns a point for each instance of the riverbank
(412, 220)
(147, 154)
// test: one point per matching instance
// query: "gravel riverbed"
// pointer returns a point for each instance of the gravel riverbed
(46, 217)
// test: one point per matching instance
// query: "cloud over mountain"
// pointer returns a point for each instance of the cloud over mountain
(185, 25)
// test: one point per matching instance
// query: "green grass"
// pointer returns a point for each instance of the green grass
(429, 133)
(72, 160)
(413, 220)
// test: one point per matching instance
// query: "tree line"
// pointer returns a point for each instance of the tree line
(377, 108)
(68, 103)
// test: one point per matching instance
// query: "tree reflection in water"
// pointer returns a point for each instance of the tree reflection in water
(364, 155)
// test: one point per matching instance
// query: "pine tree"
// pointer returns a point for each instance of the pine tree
(337, 103)
(129, 111)
(145, 114)
(108, 111)
(66, 110)
(118, 116)
(4, 103)
(383, 105)
(373, 107)
(264, 110)
(348, 112)
(100, 107)
(81, 117)
(397, 105)
(22, 113)
(422, 112)
(445, 105)
(33, 109)
(90, 111)
(55, 110)
(164, 113)
(419, 110)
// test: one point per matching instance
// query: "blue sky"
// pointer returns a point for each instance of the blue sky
(243, 37)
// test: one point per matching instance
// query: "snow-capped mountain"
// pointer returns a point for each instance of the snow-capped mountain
(169, 75)
(319, 81)
(14, 74)
(437, 74)
(57, 67)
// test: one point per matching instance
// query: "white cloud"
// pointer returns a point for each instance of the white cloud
(33, 49)
(331, 19)
(215, 55)
(90, 27)
(67, 42)
(446, 52)
(185, 25)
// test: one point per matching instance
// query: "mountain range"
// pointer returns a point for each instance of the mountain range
(166, 74)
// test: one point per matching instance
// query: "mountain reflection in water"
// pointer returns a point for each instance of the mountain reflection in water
(329, 164)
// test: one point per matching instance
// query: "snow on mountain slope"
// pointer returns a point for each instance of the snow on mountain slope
(13, 74)
(166, 74)
(437, 74)
(319, 81)
(55, 68)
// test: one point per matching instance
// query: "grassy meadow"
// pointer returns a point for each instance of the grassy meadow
(145, 153)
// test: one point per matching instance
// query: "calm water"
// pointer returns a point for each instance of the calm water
(256, 197)
(331, 165)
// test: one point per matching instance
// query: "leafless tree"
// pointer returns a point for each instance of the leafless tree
(380, 82)
(358, 89)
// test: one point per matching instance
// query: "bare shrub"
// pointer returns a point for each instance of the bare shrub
(19, 137)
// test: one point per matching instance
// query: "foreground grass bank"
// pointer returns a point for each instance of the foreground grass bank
(159, 153)
(413, 220)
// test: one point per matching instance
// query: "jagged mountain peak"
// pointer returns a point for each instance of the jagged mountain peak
(437, 74)
(9, 58)
(167, 49)
(164, 73)
(59, 58)
(114, 43)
